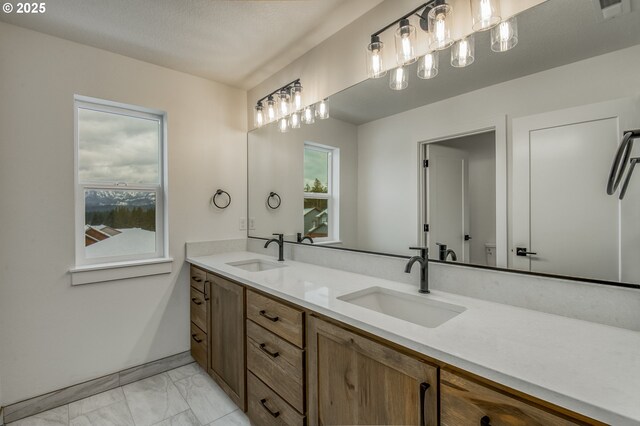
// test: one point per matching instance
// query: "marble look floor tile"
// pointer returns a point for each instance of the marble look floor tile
(154, 399)
(112, 415)
(95, 402)
(186, 418)
(237, 418)
(56, 417)
(185, 371)
(207, 401)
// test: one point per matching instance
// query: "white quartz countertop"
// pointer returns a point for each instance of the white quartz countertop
(589, 368)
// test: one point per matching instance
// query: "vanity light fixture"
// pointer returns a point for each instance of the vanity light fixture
(375, 69)
(428, 65)
(462, 52)
(485, 14)
(439, 18)
(322, 109)
(279, 103)
(504, 36)
(398, 79)
(309, 115)
(405, 43)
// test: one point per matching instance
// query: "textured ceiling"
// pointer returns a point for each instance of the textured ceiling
(235, 42)
(555, 33)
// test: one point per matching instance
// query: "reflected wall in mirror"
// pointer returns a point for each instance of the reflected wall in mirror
(519, 149)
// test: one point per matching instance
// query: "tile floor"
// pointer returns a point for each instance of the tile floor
(186, 396)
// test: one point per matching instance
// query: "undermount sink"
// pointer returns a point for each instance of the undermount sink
(417, 309)
(255, 265)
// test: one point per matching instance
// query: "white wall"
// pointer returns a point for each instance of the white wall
(339, 61)
(387, 144)
(54, 335)
(276, 164)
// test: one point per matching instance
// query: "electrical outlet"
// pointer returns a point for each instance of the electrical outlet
(252, 223)
(243, 223)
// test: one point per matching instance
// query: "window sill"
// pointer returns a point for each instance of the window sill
(88, 274)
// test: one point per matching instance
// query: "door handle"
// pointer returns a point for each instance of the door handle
(423, 405)
(522, 251)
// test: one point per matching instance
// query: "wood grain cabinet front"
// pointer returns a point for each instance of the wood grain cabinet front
(226, 338)
(281, 319)
(199, 346)
(355, 381)
(467, 403)
(199, 295)
(266, 408)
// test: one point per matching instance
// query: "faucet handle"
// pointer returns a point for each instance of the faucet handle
(424, 251)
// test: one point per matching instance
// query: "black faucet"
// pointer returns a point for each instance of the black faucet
(306, 237)
(280, 242)
(444, 253)
(423, 259)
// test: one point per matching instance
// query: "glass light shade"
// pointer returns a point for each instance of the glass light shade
(375, 68)
(309, 115)
(294, 120)
(405, 43)
(440, 18)
(272, 112)
(322, 109)
(296, 97)
(462, 52)
(485, 14)
(504, 36)
(283, 125)
(398, 79)
(428, 65)
(284, 105)
(258, 116)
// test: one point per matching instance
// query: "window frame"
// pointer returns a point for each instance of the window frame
(100, 105)
(332, 196)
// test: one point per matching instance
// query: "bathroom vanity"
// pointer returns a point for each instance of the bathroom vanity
(325, 346)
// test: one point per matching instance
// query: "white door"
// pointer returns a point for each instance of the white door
(447, 204)
(561, 211)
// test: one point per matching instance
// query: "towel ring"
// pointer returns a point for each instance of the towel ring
(220, 192)
(273, 195)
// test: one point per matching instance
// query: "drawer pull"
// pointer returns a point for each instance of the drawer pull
(195, 337)
(264, 314)
(264, 404)
(268, 352)
(196, 301)
(423, 392)
(196, 279)
(485, 421)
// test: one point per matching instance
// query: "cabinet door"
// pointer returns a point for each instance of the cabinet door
(356, 381)
(227, 340)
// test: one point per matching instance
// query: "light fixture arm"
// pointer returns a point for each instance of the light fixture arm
(426, 6)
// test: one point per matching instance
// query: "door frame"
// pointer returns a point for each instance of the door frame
(497, 124)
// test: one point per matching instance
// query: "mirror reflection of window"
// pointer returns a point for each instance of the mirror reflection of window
(319, 196)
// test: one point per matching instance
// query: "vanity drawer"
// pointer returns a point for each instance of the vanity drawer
(199, 345)
(265, 407)
(276, 362)
(283, 320)
(198, 277)
(198, 309)
(465, 402)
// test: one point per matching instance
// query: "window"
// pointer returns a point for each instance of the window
(120, 177)
(321, 192)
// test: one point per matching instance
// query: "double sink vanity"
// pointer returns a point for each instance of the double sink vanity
(295, 343)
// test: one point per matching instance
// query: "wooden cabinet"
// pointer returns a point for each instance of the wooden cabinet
(275, 360)
(226, 337)
(354, 380)
(467, 403)
(199, 294)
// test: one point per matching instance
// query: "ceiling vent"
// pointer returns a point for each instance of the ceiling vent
(609, 9)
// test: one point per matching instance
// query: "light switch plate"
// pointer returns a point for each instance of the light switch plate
(243, 223)
(252, 223)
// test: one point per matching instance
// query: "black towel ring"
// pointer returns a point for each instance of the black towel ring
(220, 192)
(620, 164)
(273, 195)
